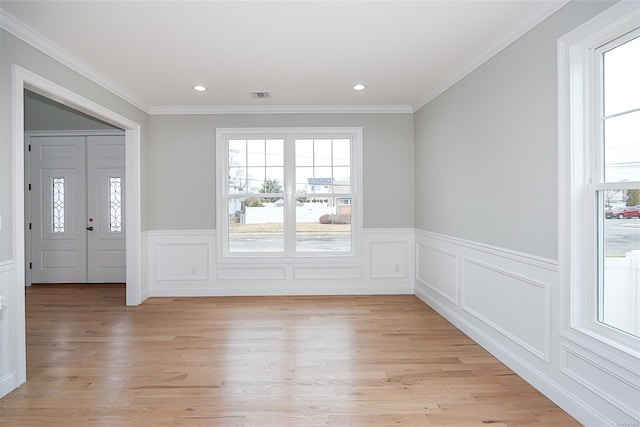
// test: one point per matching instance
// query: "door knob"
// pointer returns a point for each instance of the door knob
(90, 228)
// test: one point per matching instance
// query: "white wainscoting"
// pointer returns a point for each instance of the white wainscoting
(499, 298)
(437, 269)
(185, 263)
(615, 383)
(8, 364)
(510, 303)
(525, 320)
(473, 281)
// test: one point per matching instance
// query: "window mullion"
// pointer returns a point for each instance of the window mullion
(223, 188)
(290, 193)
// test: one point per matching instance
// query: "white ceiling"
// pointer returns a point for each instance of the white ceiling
(305, 53)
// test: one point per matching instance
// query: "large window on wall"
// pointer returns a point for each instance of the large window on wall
(600, 177)
(289, 191)
(615, 182)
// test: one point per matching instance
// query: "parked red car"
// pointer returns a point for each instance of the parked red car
(614, 213)
(631, 211)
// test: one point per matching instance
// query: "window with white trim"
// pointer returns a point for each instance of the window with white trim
(615, 182)
(600, 181)
(281, 191)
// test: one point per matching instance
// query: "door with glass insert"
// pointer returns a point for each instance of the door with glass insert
(105, 209)
(58, 207)
(77, 209)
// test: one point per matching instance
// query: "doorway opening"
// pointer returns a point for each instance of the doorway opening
(74, 196)
(24, 79)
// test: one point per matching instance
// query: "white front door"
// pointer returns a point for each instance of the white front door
(77, 209)
(58, 209)
(105, 209)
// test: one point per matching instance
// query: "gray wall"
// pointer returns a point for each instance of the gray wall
(15, 51)
(178, 162)
(41, 113)
(181, 165)
(486, 149)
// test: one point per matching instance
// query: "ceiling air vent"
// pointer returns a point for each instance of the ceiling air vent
(261, 95)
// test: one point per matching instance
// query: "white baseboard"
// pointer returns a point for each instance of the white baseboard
(8, 383)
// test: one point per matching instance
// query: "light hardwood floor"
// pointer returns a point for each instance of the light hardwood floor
(259, 361)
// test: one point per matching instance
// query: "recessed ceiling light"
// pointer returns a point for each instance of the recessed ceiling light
(199, 88)
(359, 87)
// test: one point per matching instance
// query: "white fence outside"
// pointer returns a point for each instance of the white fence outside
(270, 213)
(621, 304)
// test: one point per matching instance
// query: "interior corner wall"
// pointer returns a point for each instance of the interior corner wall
(181, 165)
(486, 149)
(487, 221)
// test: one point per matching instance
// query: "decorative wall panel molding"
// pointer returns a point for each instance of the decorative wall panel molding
(509, 303)
(182, 261)
(389, 259)
(594, 375)
(185, 263)
(437, 269)
(302, 272)
(256, 273)
(525, 320)
(475, 280)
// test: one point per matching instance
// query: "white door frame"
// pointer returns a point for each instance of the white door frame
(23, 79)
(28, 206)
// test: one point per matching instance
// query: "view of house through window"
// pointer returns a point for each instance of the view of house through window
(288, 195)
(617, 185)
(323, 185)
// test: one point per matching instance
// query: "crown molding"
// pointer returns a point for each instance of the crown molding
(14, 26)
(286, 109)
(17, 28)
(509, 37)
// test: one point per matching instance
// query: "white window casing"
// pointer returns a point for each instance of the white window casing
(580, 166)
(288, 135)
